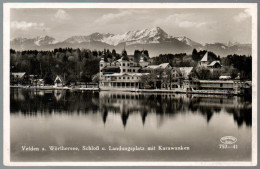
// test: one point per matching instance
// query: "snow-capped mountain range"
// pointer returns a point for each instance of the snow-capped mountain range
(155, 40)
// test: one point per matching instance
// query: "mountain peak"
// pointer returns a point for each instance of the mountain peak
(156, 28)
(188, 41)
(44, 40)
(43, 37)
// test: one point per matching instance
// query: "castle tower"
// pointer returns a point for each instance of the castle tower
(102, 64)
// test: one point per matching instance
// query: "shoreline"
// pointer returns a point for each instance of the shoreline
(177, 91)
(54, 88)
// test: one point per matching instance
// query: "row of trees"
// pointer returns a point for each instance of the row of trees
(73, 64)
(83, 64)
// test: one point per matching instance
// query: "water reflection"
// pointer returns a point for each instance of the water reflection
(31, 102)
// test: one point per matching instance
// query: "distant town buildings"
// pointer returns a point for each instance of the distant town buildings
(127, 74)
(136, 73)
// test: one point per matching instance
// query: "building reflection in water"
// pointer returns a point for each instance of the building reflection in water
(30, 102)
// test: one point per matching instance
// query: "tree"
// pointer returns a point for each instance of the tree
(148, 81)
(203, 73)
(195, 55)
(95, 78)
(146, 53)
(114, 53)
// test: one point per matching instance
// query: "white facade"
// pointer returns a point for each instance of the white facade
(126, 74)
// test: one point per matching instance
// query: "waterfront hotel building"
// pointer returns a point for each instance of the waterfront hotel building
(122, 74)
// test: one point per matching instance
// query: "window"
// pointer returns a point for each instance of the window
(123, 70)
(128, 64)
(123, 77)
(133, 70)
(128, 78)
(132, 77)
(101, 65)
(119, 77)
(129, 70)
(123, 64)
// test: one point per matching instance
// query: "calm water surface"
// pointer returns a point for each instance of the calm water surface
(66, 118)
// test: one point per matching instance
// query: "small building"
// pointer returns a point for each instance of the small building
(19, 78)
(38, 82)
(171, 79)
(59, 81)
(206, 63)
(19, 75)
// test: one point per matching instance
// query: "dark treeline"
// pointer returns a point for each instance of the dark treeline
(240, 64)
(73, 64)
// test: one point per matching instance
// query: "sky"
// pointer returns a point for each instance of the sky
(200, 25)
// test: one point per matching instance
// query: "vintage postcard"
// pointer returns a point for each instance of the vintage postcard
(130, 84)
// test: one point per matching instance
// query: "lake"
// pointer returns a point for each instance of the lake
(43, 118)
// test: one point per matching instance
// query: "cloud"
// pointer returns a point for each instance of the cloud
(189, 24)
(243, 15)
(182, 21)
(62, 15)
(113, 17)
(23, 25)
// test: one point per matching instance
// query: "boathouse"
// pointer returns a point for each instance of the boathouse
(59, 81)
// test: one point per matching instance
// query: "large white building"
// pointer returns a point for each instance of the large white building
(122, 74)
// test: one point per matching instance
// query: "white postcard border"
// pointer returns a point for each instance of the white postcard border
(6, 79)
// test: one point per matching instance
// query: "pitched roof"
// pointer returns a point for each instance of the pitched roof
(214, 62)
(177, 69)
(152, 67)
(161, 66)
(205, 57)
(185, 71)
(18, 74)
(164, 65)
(58, 77)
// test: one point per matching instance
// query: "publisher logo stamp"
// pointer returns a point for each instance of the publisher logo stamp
(228, 142)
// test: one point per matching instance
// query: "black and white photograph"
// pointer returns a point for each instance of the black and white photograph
(94, 84)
